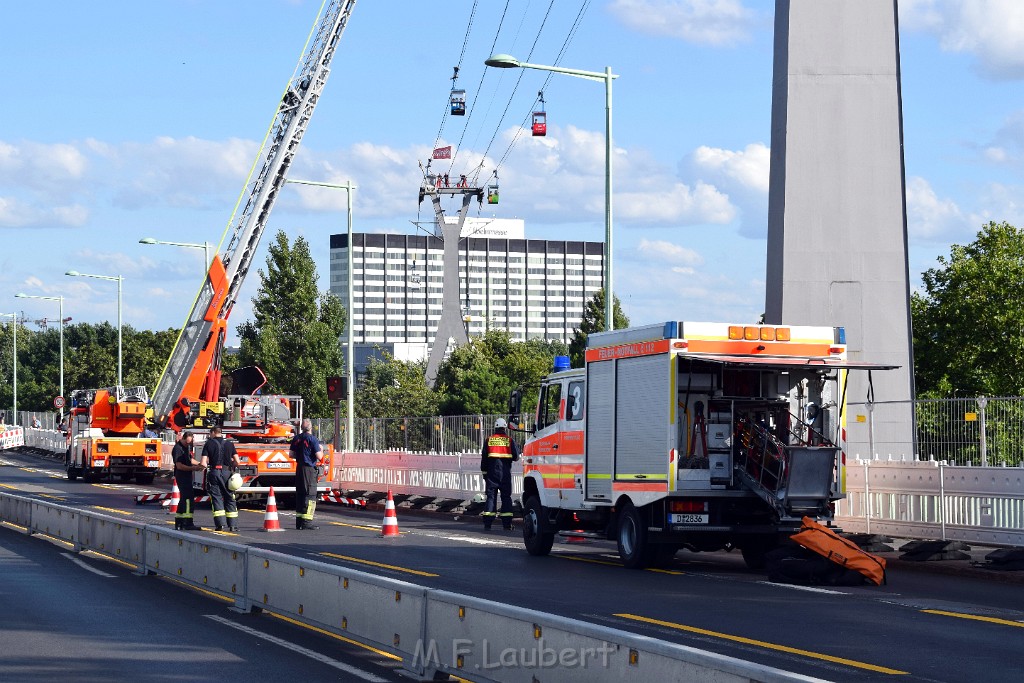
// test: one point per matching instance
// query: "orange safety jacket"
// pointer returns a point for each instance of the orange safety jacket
(499, 446)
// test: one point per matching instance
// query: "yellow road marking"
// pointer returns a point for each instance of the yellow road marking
(47, 495)
(120, 512)
(196, 588)
(8, 486)
(378, 564)
(975, 617)
(358, 526)
(617, 564)
(769, 646)
(110, 558)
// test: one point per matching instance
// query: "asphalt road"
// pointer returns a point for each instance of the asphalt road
(921, 626)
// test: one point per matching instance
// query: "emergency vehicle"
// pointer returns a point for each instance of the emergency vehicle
(104, 437)
(694, 435)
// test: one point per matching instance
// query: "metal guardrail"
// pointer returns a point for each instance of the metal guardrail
(430, 630)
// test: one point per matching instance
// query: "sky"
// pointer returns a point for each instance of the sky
(124, 120)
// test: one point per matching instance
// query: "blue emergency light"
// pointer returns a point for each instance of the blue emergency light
(562, 363)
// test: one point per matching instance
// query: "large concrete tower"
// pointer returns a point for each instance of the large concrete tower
(837, 228)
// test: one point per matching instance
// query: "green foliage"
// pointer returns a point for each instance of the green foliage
(969, 321)
(392, 388)
(593, 321)
(477, 377)
(295, 335)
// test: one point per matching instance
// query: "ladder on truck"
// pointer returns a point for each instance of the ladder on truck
(192, 373)
(795, 480)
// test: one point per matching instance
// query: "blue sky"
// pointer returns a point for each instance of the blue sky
(125, 120)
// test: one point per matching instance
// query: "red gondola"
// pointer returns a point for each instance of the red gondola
(540, 118)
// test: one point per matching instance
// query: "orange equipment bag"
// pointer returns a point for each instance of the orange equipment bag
(841, 551)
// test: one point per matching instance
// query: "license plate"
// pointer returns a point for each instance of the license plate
(278, 465)
(688, 519)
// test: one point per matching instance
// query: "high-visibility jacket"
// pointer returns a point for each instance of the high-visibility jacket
(499, 446)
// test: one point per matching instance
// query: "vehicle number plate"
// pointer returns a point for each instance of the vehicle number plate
(688, 519)
(278, 465)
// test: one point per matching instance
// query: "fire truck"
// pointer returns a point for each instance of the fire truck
(704, 436)
(189, 393)
(104, 436)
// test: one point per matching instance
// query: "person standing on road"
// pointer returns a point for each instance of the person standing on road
(184, 465)
(499, 452)
(220, 456)
(308, 455)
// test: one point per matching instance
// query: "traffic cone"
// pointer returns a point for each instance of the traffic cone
(390, 527)
(270, 520)
(175, 497)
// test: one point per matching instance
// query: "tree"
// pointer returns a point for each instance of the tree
(593, 321)
(477, 377)
(295, 335)
(968, 324)
(393, 388)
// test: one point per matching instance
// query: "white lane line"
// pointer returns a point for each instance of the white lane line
(478, 541)
(86, 567)
(341, 666)
(809, 589)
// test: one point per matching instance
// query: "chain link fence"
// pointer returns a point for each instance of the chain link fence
(446, 435)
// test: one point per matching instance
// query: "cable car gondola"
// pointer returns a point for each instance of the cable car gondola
(540, 119)
(492, 190)
(458, 99)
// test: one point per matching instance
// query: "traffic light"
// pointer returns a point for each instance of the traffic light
(337, 388)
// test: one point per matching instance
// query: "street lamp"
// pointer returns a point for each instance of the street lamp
(349, 305)
(205, 246)
(61, 300)
(119, 279)
(502, 61)
(14, 325)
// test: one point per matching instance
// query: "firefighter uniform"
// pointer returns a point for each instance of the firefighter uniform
(307, 452)
(182, 454)
(221, 458)
(499, 452)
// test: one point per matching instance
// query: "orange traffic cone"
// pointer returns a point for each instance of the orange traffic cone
(175, 497)
(390, 527)
(270, 520)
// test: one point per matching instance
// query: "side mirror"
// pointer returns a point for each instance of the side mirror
(515, 400)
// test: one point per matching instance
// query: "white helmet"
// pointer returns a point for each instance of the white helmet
(234, 482)
(500, 423)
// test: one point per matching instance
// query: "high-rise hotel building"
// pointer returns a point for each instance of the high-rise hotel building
(535, 289)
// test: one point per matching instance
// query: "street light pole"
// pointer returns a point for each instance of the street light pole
(59, 299)
(14, 355)
(119, 279)
(349, 306)
(205, 246)
(502, 61)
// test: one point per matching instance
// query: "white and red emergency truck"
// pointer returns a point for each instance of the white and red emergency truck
(689, 435)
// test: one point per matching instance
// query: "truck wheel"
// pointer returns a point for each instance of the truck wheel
(72, 473)
(537, 542)
(634, 549)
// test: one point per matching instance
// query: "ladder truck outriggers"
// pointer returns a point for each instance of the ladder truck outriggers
(189, 392)
(105, 436)
(704, 436)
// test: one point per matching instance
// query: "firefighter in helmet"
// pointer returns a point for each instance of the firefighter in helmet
(220, 456)
(499, 452)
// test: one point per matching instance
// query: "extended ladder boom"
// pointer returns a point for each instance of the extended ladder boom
(193, 371)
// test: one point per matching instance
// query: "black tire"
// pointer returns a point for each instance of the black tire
(537, 542)
(755, 554)
(72, 473)
(89, 476)
(634, 549)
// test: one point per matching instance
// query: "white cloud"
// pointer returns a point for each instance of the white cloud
(668, 252)
(16, 213)
(706, 22)
(742, 176)
(992, 30)
(930, 217)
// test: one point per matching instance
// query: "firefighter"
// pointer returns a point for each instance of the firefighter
(184, 465)
(309, 458)
(499, 452)
(220, 456)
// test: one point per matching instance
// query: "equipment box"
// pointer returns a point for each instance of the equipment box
(719, 436)
(720, 465)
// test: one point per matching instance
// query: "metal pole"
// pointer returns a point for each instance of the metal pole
(206, 254)
(350, 351)
(609, 299)
(982, 441)
(119, 280)
(14, 322)
(61, 411)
